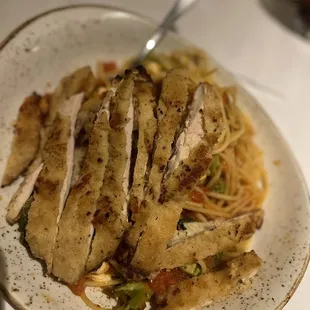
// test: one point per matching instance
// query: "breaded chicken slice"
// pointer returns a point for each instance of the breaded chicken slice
(224, 237)
(171, 110)
(160, 226)
(188, 250)
(145, 128)
(26, 140)
(75, 227)
(192, 154)
(111, 220)
(53, 183)
(201, 291)
(81, 79)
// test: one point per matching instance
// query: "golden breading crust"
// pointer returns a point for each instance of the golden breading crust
(145, 130)
(110, 218)
(75, 227)
(188, 174)
(202, 291)
(49, 106)
(170, 113)
(81, 80)
(53, 183)
(26, 139)
(223, 237)
(146, 123)
(213, 113)
(160, 227)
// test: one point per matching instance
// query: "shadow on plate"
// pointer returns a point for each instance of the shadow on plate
(294, 14)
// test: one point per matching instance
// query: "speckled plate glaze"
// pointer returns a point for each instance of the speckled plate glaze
(53, 44)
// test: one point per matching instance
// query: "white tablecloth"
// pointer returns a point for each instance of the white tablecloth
(271, 62)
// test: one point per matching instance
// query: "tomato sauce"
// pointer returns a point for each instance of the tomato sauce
(165, 279)
(79, 288)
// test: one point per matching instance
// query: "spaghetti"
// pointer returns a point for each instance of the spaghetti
(237, 181)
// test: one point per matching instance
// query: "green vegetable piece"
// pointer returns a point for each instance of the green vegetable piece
(139, 293)
(193, 270)
(215, 164)
(139, 299)
(219, 187)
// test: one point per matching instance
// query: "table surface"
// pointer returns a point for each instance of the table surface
(271, 62)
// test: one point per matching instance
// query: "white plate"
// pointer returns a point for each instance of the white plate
(57, 42)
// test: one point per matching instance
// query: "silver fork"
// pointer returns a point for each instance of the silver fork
(178, 9)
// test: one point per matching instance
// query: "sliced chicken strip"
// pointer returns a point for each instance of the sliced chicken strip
(128, 245)
(86, 117)
(146, 127)
(188, 173)
(22, 194)
(213, 113)
(70, 85)
(146, 123)
(193, 131)
(198, 292)
(170, 112)
(53, 182)
(224, 237)
(173, 101)
(81, 80)
(160, 228)
(195, 228)
(110, 219)
(194, 145)
(26, 139)
(190, 162)
(189, 250)
(75, 227)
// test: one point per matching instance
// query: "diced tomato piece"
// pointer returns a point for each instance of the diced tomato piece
(79, 288)
(166, 278)
(196, 196)
(109, 66)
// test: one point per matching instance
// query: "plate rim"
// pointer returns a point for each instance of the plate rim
(3, 43)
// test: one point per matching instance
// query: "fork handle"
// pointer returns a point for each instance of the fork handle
(176, 12)
(179, 7)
